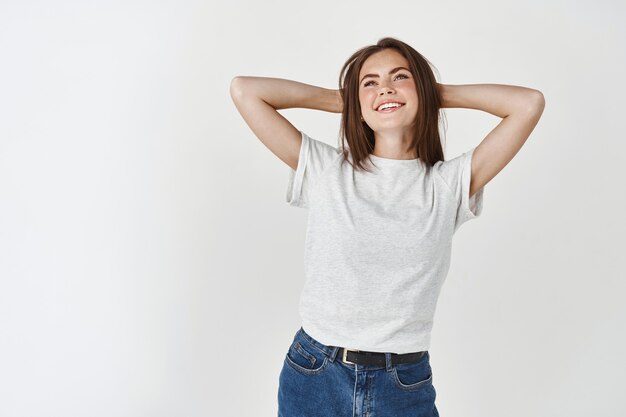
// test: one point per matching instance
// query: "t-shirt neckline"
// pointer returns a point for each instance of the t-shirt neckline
(390, 161)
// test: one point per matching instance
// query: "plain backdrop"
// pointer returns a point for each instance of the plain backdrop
(150, 265)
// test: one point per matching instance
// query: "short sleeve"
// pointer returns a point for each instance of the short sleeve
(315, 156)
(457, 173)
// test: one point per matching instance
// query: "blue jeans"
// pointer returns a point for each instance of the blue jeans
(316, 382)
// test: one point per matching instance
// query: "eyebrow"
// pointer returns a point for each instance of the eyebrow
(396, 69)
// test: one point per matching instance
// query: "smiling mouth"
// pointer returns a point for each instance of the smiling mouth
(390, 109)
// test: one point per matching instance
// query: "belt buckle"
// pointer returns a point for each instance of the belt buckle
(345, 355)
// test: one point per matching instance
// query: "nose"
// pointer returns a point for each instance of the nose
(385, 90)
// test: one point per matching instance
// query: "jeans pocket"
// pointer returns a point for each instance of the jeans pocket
(305, 359)
(413, 376)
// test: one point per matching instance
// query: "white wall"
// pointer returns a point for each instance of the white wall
(150, 266)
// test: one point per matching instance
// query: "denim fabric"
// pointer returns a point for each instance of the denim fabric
(315, 382)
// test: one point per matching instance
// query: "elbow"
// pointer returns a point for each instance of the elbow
(533, 104)
(538, 101)
(536, 106)
(236, 87)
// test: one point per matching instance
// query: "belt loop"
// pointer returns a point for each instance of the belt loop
(333, 353)
(388, 361)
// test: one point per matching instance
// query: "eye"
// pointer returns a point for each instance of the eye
(399, 75)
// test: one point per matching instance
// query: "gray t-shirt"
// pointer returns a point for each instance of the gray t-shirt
(378, 245)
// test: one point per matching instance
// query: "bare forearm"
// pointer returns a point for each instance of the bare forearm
(284, 94)
(498, 99)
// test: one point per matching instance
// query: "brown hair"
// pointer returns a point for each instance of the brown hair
(359, 136)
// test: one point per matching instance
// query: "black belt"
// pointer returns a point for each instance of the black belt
(362, 357)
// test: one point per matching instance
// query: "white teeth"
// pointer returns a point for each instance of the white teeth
(389, 105)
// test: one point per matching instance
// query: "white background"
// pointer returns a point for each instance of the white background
(150, 265)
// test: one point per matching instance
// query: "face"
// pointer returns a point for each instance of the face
(398, 86)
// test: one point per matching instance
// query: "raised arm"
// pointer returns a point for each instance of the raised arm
(258, 98)
(520, 109)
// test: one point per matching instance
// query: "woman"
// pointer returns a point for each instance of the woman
(382, 213)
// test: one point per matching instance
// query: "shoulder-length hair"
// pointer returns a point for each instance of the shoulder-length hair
(359, 136)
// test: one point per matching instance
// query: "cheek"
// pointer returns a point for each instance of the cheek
(411, 91)
(365, 99)
(363, 103)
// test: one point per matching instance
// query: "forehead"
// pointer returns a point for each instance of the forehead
(383, 60)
